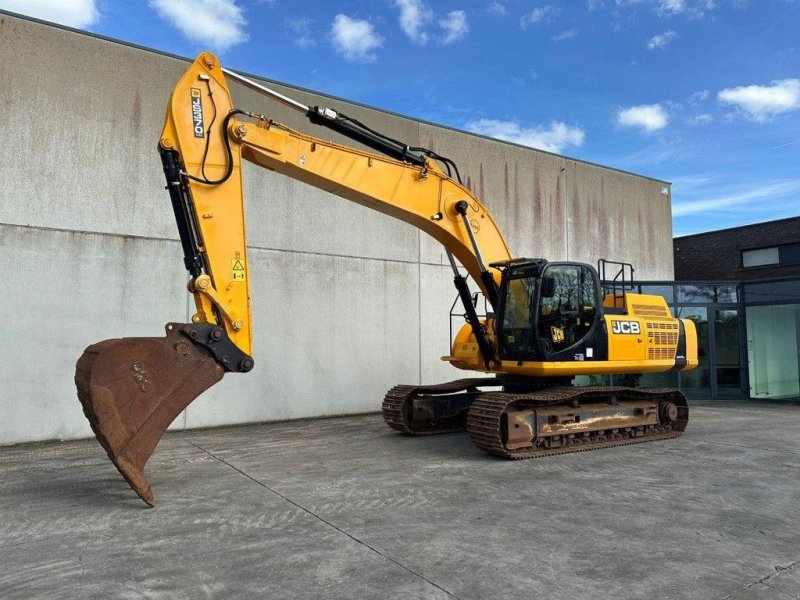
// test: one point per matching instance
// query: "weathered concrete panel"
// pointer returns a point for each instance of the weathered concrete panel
(620, 217)
(82, 118)
(332, 335)
(86, 159)
(560, 209)
(68, 290)
(523, 189)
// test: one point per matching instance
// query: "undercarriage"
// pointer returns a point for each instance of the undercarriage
(535, 417)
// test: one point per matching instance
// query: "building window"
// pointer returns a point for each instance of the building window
(761, 257)
(790, 254)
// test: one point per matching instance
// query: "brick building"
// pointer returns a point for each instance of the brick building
(749, 253)
(741, 287)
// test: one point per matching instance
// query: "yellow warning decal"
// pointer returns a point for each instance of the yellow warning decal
(237, 266)
(557, 334)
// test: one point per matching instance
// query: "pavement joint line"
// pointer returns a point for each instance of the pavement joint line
(763, 580)
(328, 523)
(751, 447)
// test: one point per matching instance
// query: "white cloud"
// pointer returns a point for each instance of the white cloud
(701, 119)
(455, 27)
(540, 14)
(698, 97)
(554, 138)
(414, 17)
(216, 23)
(650, 117)
(755, 196)
(694, 9)
(660, 40)
(355, 39)
(762, 102)
(302, 31)
(496, 8)
(671, 6)
(565, 35)
(72, 13)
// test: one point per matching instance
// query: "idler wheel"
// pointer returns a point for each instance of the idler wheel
(669, 413)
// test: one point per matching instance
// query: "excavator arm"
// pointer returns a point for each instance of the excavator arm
(203, 142)
(131, 389)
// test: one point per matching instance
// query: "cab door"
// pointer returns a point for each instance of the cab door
(569, 322)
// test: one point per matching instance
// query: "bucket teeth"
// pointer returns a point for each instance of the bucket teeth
(131, 389)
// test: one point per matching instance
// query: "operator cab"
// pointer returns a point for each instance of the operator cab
(550, 312)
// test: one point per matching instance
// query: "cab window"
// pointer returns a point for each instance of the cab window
(518, 337)
(568, 306)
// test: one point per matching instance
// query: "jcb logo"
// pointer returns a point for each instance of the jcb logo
(197, 114)
(629, 327)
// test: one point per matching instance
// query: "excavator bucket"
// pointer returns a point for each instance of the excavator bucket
(131, 389)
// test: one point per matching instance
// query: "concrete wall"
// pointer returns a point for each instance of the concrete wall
(344, 307)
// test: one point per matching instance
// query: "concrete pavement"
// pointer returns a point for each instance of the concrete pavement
(345, 508)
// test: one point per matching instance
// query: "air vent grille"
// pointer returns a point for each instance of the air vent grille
(660, 353)
(650, 310)
(663, 338)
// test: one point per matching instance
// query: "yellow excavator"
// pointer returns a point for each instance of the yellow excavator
(547, 322)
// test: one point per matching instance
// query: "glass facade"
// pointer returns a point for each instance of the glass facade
(748, 337)
(773, 338)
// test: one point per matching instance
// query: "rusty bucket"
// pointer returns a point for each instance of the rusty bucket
(131, 390)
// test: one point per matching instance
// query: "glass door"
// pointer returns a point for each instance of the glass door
(727, 355)
(698, 382)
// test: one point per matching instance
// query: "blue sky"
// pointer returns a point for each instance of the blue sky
(703, 93)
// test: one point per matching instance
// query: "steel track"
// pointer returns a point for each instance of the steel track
(484, 420)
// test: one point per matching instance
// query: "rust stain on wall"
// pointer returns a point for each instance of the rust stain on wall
(604, 217)
(506, 183)
(575, 209)
(619, 214)
(537, 196)
(645, 248)
(594, 217)
(137, 111)
(556, 214)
